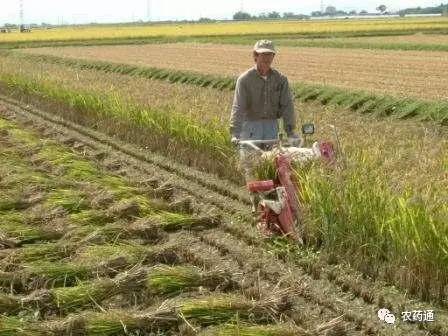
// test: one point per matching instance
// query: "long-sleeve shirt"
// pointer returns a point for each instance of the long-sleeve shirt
(258, 98)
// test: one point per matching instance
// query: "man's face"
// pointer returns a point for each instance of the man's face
(264, 61)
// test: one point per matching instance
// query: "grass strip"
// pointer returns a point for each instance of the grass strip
(228, 38)
(254, 330)
(158, 281)
(206, 311)
(88, 262)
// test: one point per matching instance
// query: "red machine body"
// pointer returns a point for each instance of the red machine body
(278, 216)
(279, 204)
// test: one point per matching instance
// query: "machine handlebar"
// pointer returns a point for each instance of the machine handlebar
(254, 143)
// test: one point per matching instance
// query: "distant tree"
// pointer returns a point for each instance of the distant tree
(330, 10)
(363, 12)
(381, 8)
(426, 10)
(288, 15)
(444, 9)
(206, 20)
(241, 16)
(316, 13)
(341, 12)
(352, 12)
(274, 15)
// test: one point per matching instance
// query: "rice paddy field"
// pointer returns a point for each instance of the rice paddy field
(92, 243)
(418, 74)
(385, 26)
(414, 41)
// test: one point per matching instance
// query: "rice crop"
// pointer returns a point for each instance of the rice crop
(304, 28)
(113, 322)
(387, 204)
(173, 280)
(248, 330)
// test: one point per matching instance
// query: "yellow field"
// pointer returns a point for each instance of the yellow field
(230, 28)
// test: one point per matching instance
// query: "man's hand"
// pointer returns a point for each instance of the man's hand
(235, 141)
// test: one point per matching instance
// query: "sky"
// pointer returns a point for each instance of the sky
(105, 11)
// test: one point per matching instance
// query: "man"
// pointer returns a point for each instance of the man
(262, 96)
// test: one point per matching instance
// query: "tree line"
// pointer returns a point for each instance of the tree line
(333, 11)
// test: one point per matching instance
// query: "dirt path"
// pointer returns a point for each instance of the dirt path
(318, 292)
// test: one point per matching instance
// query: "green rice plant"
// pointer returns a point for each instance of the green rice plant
(170, 221)
(84, 295)
(14, 226)
(327, 94)
(57, 273)
(172, 280)
(69, 199)
(159, 282)
(24, 137)
(75, 168)
(178, 127)
(265, 170)
(15, 326)
(355, 214)
(205, 311)
(356, 100)
(112, 324)
(91, 217)
(9, 304)
(89, 262)
(116, 322)
(12, 281)
(9, 202)
(339, 99)
(436, 112)
(369, 106)
(412, 109)
(52, 251)
(17, 174)
(305, 93)
(244, 329)
(94, 255)
(118, 186)
(214, 310)
(386, 107)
